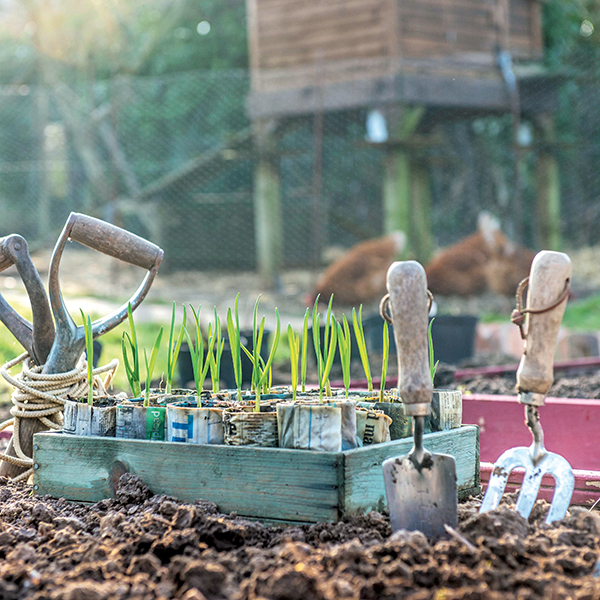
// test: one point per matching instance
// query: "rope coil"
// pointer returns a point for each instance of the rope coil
(42, 396)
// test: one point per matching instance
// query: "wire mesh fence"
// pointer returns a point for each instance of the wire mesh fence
(173, 159)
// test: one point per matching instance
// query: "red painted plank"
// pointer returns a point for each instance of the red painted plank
(587, 484)
(570, 427)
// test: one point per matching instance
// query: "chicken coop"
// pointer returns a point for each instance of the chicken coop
(407, 60)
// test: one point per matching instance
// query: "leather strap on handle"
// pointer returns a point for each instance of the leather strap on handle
(550, 275)
(407, 287)
(113, 241)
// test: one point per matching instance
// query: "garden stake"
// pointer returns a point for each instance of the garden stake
(549, 282)
(420, 487)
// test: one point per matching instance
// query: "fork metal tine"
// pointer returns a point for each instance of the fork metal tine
(551, 464)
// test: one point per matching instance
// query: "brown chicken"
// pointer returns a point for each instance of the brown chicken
(486, 260)
(358, 277)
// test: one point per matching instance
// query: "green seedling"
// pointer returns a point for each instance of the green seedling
(345, 344)
(362, 346)
(214, 358)
(173, 351)
(432, 366)
(132, 369)
(199, 366)
(261, 371)
(384, 362)
(325, 358)
(89, 350)
(304, 349)
(150, 366)
(294, 342)
(233, 332)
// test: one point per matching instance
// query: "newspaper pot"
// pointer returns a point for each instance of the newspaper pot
(138, 422)
(372, 426)
(81, 418)
(188, 423)
(244, 427)
(392, 406)
(446, 412)
(328, 426)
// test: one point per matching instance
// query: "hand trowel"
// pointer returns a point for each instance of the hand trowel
(421, 486)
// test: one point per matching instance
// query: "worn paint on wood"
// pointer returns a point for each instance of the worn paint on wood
(570, 426)
(288, 485)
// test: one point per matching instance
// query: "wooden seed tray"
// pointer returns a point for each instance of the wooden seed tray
(264, 483)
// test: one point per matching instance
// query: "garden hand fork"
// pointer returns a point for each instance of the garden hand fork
(549, 283)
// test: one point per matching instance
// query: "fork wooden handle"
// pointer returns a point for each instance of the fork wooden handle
(114, 241)
(407, 285)
(549, 276)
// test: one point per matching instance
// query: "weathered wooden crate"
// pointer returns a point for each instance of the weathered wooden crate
(264, 483)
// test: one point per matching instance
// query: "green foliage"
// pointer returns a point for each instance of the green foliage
(233, 332)
(385, 360)
(132, 369)
(345, 344)
(150, 364)
(173, 351)
(89, 350)
(304, 349)
(432, 365)
(214, 358)
(324, 357)
(362, 346)
(584, 314)
(199, 366)
(294, 343)
(261, 371)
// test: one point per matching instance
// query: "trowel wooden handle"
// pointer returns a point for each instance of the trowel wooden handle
(407, 286)
(114, 241)
(549, 276)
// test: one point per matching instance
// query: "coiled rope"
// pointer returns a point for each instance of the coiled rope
(42, 396)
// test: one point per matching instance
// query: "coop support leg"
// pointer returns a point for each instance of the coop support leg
(547, 187)
(406, 194)
(268, 224)
(422, 241)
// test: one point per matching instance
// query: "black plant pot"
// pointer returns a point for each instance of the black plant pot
(453, 336)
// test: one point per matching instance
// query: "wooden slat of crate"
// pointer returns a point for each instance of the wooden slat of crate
(363, 475)
(287, 485)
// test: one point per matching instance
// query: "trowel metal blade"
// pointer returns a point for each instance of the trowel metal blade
(552, 464)
(423, 499)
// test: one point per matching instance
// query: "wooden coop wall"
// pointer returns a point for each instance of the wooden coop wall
(295, 43)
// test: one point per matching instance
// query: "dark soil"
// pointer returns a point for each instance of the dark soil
(582, 385)
(143, 546)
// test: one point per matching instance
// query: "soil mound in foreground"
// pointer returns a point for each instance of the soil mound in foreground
(140, 545)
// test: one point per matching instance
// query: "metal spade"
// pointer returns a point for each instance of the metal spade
(546, 301)
(421, 486)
